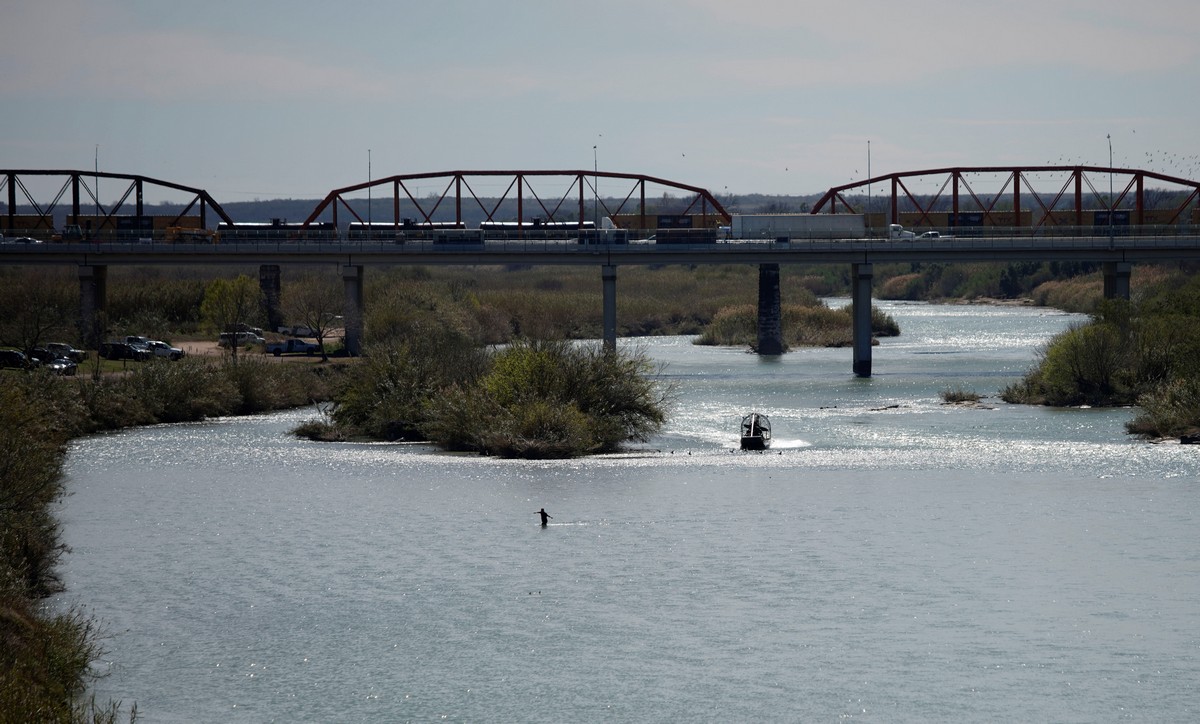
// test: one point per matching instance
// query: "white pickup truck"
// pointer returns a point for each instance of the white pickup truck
(162, 349)
(155, 347)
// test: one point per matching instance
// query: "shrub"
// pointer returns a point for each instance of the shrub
(960, 394)
(732, 326)
(1170, 410)
(551, 399)
(1081, 366)
(184, 391)
(904, 286)
(396, 381)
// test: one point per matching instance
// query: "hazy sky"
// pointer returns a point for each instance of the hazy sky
(275, 99)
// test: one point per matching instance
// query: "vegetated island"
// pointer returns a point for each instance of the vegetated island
(530, 399)
(1144, 352)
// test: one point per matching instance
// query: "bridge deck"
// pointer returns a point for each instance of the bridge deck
(569, 252)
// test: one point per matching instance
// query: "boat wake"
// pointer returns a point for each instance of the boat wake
(781, 444)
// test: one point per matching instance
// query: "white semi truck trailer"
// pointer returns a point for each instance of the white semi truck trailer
(777, 227)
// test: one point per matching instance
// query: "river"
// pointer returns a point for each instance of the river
(890, 558)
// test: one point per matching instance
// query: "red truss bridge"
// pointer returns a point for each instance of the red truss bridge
(1071, 192)
(80, 189)
(556, 197)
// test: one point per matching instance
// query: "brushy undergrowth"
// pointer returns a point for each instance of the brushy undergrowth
(196, 388)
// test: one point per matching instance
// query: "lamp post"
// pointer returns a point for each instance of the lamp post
(1111, 204)
(595, 189)
(868, 187)
(369, 224)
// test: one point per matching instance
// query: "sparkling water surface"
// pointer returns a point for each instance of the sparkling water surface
(890, 558)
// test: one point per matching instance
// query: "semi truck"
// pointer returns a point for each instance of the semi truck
(784, 227)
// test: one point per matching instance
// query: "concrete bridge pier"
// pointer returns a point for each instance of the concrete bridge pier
(770, 324)
(608, 277)
(860, 280)
(1116, 279)
(352, 279)
(93, 300)
(272, 289)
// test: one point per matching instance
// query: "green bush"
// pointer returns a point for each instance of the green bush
(396, 381)
(551, 399)
(1082, 365)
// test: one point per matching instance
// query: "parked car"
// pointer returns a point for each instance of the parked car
(61, 366)
(244, 339)
(120, 350)
(15, 358)
(42, 355)
(162, 349)
(297, 330)
(66, 351)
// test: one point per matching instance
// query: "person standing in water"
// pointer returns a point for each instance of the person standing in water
(545, 516)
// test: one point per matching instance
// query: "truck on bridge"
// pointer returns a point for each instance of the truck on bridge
(783, 227)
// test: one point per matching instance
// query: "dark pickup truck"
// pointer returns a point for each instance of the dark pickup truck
(291, 346)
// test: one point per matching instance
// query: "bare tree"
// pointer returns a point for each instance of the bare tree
(37, 306)
(315, 301)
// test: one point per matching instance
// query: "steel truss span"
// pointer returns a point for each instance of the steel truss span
(1018, 202)
(85, 197)
(554, 197)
